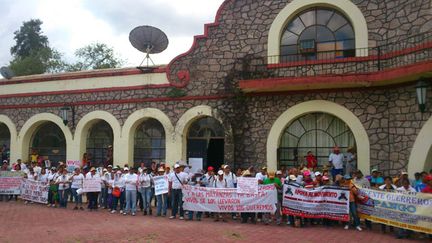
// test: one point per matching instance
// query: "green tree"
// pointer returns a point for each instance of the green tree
(95, 56)
(32, 53)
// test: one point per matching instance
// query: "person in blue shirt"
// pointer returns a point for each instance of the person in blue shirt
(376, 179)
(422, 185)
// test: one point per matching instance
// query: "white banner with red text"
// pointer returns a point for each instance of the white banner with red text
(322, 202)
(10, 182)
(412, 211)
(34, 191)
(227, 200)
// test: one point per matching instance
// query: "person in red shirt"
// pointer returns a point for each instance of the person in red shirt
(428, 188)
(311, 161)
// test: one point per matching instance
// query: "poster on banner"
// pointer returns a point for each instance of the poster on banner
(92, 184)
(10, 182)
(72, 164)
(408, 211)
(34, 191)
(227, 200)
(323, 202)
(161, 184)
(248, 185)
(196, 164)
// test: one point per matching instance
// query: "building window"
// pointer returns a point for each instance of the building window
(315, 132)
(99, 144)
(317, 34)
(149, 143)
(49, 143)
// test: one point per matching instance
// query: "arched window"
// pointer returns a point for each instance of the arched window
(315, 132)
(318, 33)
(49, 143)
(5, 138)
(99, 144)
(149, 143)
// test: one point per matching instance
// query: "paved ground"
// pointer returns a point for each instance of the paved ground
(37, 223)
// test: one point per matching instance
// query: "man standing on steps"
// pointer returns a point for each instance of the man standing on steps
(176, 181)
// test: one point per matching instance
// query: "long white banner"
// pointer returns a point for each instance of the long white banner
(34, 191)
(227, 200)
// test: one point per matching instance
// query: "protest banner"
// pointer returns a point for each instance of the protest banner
(92, 184)
(34, 191)
(323, 202)
(412, 211)
(226, 200)
(10, 182)
(72, 164)
(161, 184)
(248, 185)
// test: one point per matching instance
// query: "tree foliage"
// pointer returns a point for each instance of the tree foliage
(95, 56)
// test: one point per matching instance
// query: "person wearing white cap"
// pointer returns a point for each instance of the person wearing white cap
(176, 180)
(131, 181)
(220, 182)
(262, 175)
(118, 194)
(230, 177)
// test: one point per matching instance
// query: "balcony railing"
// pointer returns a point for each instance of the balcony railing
(413, 50)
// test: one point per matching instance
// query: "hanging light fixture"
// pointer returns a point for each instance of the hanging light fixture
(421, 90)
(64, 113)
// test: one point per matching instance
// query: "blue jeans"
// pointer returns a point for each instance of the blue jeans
(191, 213)
(103, 198)
(146, 194)
(177, 202)
(162, 204)
(131, 197)
(336, 172)
(353, 212)
(77, 198)
(63, 198)
(116, 201)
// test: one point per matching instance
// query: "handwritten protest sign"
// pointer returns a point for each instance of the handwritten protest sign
(248, 185)
(10, 182)
(225, 200)
(72, 164)
(322, 202)
(408, 211)
(92, 185)
(34, 191)
(161, 184)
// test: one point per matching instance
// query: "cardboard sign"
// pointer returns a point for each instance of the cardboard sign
(248, 185)
(92, 185)
(161, 184)
(196, 164)
(34, 191)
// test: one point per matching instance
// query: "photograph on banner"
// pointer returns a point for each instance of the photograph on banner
(92, 185)
(34, 191)
(161, 184)
(72, 164)
(248, 185)
(196, 164)
(226, 200)
(322, 202)
(411, 211)
(10, 182)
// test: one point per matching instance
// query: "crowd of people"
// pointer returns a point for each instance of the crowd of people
(127, 190)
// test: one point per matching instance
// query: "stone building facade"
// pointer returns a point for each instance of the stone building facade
(235, 73)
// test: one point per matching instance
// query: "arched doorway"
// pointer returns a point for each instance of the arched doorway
(149, 142)
(99, 144)
(205, 139)
(5, 138)
(316, 132)
(49, 143)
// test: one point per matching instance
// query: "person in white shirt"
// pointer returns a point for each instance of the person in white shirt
(262, 175)
(131, 180)
(118, 194)
(220, 182)
(406, 187)
(77, 179)
(144, 185)
(93, 196)
(176, 180)
(336, 159)
(43, 177)
(230, 177)
(63, 184)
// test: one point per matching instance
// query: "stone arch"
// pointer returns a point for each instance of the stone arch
(29, 128)
(13, 137)
(349, 9)
(83, 128)
(134, 120)
(421, 154)
(360, 134)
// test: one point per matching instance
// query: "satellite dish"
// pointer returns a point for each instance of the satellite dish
(148, 39)
(6, 72)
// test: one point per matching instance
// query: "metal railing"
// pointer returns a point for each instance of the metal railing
(412, 50)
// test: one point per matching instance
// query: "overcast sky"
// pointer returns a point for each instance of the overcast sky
(71, 24)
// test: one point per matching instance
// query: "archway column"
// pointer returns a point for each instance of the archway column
(14, 147)
(360, 135)
(421, 154)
